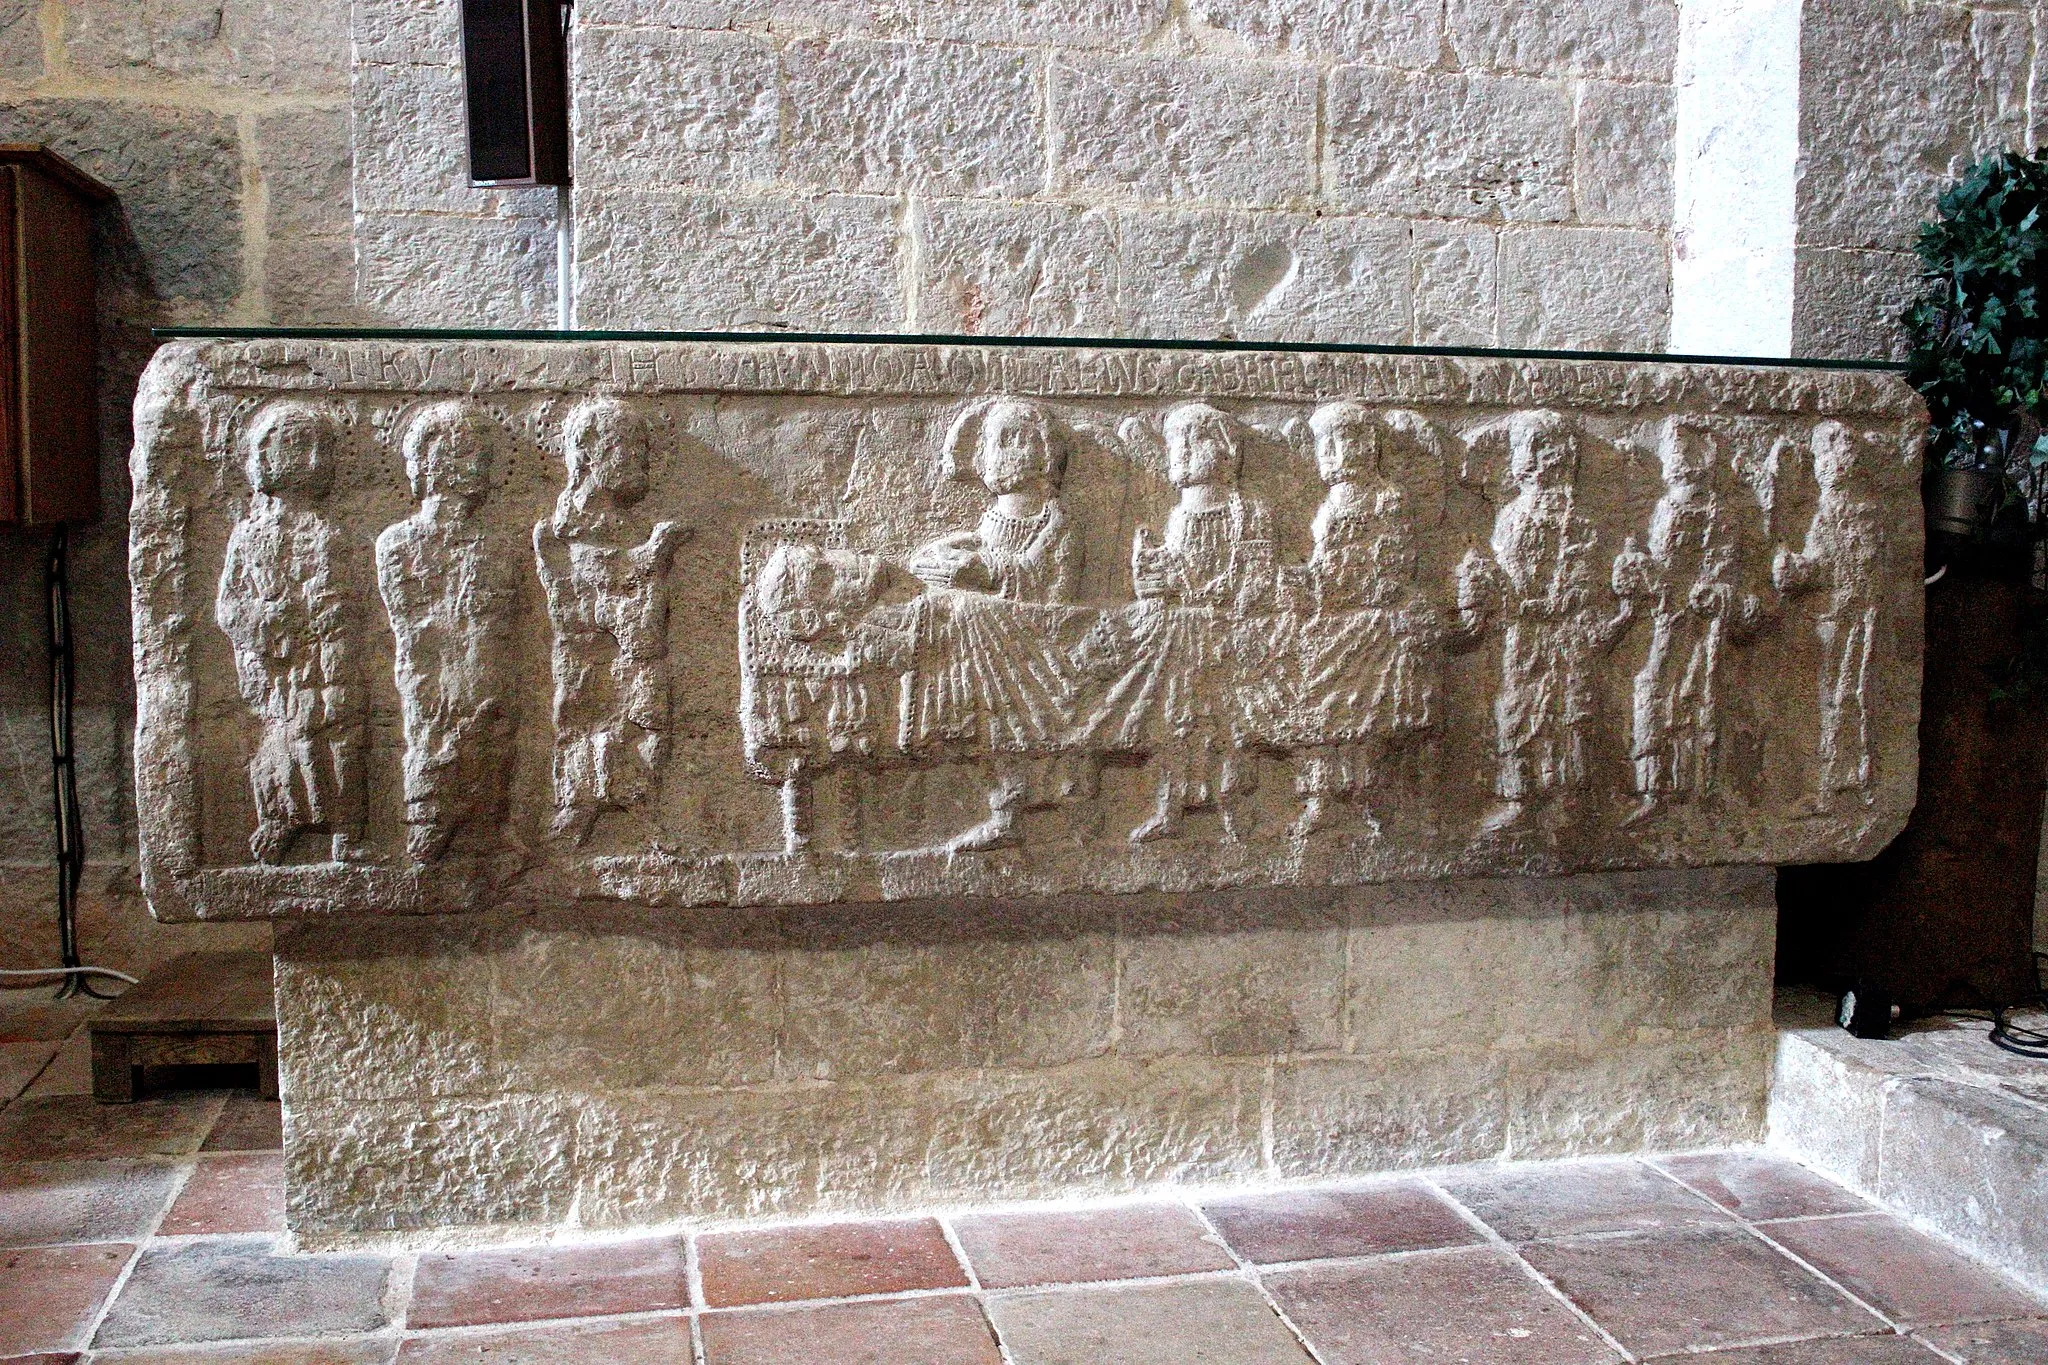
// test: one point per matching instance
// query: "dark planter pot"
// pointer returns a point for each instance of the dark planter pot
(1944, 915)
(1961, 503)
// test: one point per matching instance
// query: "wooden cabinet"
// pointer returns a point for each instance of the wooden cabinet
(49, 405)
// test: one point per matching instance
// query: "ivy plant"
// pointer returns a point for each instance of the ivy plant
(1979, 344)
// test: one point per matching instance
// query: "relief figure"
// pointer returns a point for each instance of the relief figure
(992, 676)
(452, 595)
(604, 570)
(1366, 648)
(1536, 581)
(1186, 681)
(1687, 578)
(1840, 561)
(290, 612)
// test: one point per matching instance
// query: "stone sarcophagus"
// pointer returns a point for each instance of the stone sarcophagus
(432, 626)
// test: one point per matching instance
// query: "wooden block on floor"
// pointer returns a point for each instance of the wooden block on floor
(197, 1009)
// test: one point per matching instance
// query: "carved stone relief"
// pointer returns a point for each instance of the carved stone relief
(822, 623)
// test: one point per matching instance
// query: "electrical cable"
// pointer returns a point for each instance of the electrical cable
(70, 825)
(70, 971)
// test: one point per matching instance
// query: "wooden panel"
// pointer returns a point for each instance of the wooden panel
(59, 346)
(12, 457)
(197, 993)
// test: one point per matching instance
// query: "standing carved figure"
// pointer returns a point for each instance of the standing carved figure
(1182, 689)
(604, 570)
(1537, 581)
(452, 597)
(1688, 579)
(1368, 642)
(287, 606)
(1844, 549)
(991, 675)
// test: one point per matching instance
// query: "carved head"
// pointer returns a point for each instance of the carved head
(812, 592)
(1201, 447)
(1347, 441)
(606, 443)
(1834, 455)
(291, 449)
(1543, 450)
(1688, 453)
(449, 448)
(1018, 449)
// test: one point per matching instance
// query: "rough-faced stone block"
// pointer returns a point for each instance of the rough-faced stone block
(1826, 1110)
(177, 230)
(1016, 269)
(1157, 129)
(659, 107)
(1059, 716)
(1382, 32)
(881, 117)
(1637, 39)
(1457, 285)
(921, 990)
(1880, 137)
(1344, 1115)
(1590, 289)
(1973, 1162)
(269, 45)
(412, 32)
(21, 40)
(1263, 276)
(1066, 23)
(411, 151)
(1448, 146)
(1232, 977)
(311, 281)
(1622, 154)
(305, 160)
(1849, 305)
(716, 261)
(435, 270)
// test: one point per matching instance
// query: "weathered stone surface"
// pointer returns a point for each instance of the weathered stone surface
(310, 281)
(177, 233)
(1204, 130)
(21, 40)
(1068, 23)
(409, 32)
(1622, 154)
(1383, 32)
(991, 721)
(1880, 137)
(717, 261)
(1592, 289)
(1448, 146)
(1232, 977)
(417, 159)
(305, 160)
(271, 45)
(672, 107)
(1263, 276)
(1848, 304)
(424, 269)
(1457, 285)
(882, 117)
(1017, 269)
(1632, 38)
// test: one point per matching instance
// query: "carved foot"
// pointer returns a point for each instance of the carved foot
(1164, 825)
(426, 844)
(346, 848)
(1503, 818)
(998, 831)
(573, 824)
(1643, 811)
(1315, 817)
(271, 839)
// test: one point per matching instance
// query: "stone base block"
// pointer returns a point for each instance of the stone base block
(602, 1068)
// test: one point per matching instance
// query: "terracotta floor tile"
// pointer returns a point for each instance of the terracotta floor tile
(1475, 1306)
(826, 1261)
(1010, 1250)
(1206, 1322)
(48, 1295)
(45, 1202)
(80, 1127)
(1306, 1225)
(229, 1289)
(41, 1019)
(1878, 1350)
(1755, 1186)
(1525, 1203)
(1995, 1343)
(642, 1341)
(45, 1358)
(531, 1283)
(247, 1124)
(21, 1063)
(941, 1330)
(1694, 1288)
(69, 1071)
(1909, 1277)
(360, 1351)
(237, 1193)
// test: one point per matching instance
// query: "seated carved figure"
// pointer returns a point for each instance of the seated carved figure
(1183, 683)
(991, 678)
(288, 606)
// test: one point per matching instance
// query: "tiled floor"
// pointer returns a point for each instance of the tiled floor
(147, 1233)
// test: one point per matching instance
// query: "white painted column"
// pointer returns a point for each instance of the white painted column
(1737, 155)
